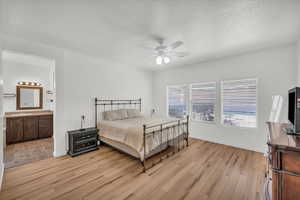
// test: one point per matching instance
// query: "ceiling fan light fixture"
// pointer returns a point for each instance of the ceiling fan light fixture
(163, 52)
(166, 59)
(159, 60)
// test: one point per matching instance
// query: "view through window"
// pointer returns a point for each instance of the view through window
(177, 101)
(239, 103)
(203, 99)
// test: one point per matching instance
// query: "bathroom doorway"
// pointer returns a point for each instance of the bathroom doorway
(29, 106)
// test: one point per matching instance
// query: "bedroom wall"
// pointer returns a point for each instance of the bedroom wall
(83, 78)
(1, 118)
(298, 57)
(95, 77)
(80, 78)
(86, 77)
(275, 69)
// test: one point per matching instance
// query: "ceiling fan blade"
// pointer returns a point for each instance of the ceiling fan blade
(159, 39)
(175, 45)
(179, 54)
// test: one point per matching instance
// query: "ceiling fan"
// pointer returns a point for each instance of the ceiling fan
(163, 52)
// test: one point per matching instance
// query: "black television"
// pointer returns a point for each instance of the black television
(294, 110)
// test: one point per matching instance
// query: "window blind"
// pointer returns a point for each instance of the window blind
(177, 101)
(239, 100)
(203, 100)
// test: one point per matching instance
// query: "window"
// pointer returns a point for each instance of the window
(239, 103)
(177, 101)
(203, 100)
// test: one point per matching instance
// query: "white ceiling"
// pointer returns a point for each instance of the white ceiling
(27, 59)
(122, 30)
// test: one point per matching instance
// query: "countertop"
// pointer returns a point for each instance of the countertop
(27, 113)
(280, 140)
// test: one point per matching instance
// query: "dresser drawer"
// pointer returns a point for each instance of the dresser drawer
(290, 161)
(84, 136)
(86, 145)
(290, 187)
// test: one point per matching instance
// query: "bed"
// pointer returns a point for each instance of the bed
(123, 127)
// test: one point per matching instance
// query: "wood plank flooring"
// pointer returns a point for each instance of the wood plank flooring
(204, 170)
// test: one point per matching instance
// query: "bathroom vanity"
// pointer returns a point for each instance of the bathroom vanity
(28, 125)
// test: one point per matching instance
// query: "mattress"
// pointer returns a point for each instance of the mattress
(130, 134)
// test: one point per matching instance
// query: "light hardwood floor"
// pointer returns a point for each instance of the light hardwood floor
(204, 170)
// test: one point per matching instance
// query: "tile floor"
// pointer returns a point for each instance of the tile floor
(26, 152)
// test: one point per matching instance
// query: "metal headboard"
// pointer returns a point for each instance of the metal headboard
(115, 103)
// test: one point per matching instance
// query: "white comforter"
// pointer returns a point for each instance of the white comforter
(130, 132)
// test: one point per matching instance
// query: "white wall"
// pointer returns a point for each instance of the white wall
(1, 118)
(275, 69)
(298, 59)
(85, 78)
(79, 79)
(15, 71)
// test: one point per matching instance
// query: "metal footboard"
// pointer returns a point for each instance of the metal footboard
(172, 133)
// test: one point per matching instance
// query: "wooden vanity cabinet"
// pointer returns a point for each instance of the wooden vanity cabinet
(14, 130)
(45, 126)
(31, 128)
(25, 128)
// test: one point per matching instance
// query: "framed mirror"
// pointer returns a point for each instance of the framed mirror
(29, 97)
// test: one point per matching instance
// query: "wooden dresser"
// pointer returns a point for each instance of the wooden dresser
(284, 156)
(24, 126)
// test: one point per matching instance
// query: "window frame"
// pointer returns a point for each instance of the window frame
(186, 98)
(222, 104)
(191, 106)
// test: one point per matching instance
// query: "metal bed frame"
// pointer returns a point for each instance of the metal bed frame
(179, 129)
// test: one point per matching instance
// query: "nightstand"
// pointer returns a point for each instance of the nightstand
(82, 141)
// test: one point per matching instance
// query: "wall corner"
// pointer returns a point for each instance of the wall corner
(298, 63)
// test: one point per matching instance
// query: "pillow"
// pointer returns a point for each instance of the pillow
(115, 115)
(122, 113)
(132, 113)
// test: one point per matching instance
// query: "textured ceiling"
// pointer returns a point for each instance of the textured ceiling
(27, 59)
(122, 30)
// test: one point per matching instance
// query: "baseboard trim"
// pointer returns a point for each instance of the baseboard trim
(1, 174)
(231, 145)
(58, 154)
